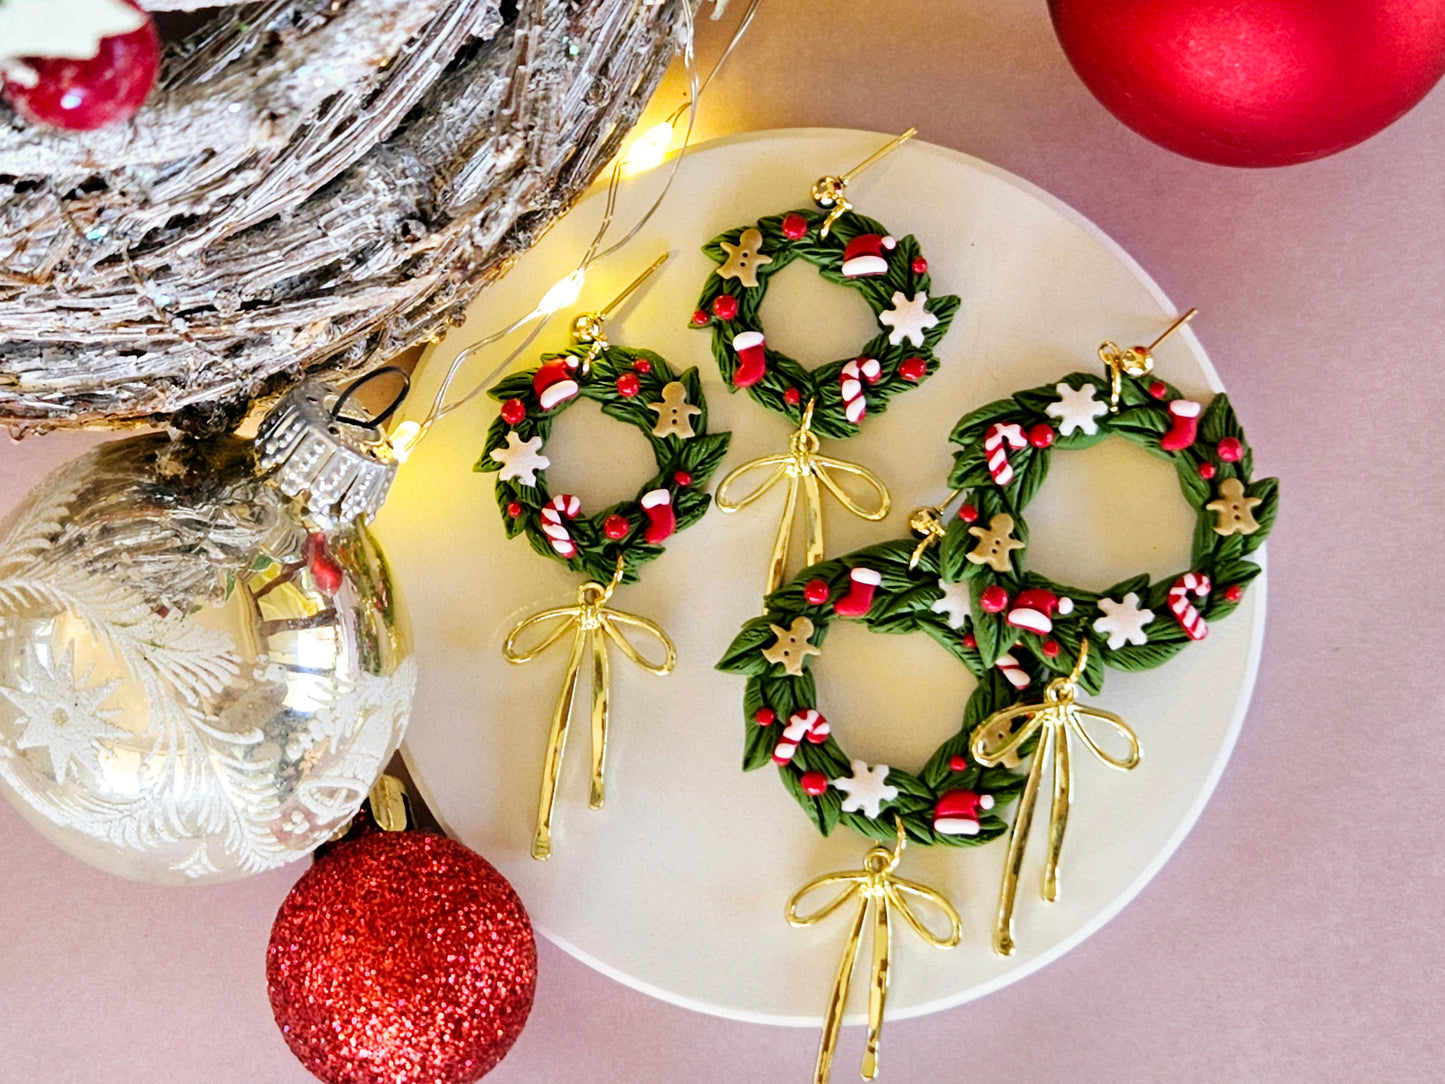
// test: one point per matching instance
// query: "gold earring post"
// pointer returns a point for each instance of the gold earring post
(827, 191)
(1136, 361)
(587, 326)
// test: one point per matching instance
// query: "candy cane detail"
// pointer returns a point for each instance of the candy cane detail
(564, 504)
(851, 381)
(1000, 437)
(1197, 584)
(808, 724)
(1015, 674)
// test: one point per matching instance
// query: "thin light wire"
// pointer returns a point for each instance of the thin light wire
(440, 408)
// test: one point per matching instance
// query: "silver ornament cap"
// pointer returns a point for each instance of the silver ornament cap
(340, 467)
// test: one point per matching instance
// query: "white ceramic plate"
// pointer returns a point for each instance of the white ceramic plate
(677, 888)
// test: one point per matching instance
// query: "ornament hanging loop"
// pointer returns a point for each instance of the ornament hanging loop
(927, 526)
(1136, 361)
(875, 889)
(828, 192)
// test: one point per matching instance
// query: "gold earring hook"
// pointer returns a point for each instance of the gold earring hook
(827, 191)
(1136, 361)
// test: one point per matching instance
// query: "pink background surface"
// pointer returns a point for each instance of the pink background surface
(1295, 934)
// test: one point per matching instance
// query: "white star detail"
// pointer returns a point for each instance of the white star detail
(1123, 622)
(61, 713)
(866, 791)
(521, 459)
(908, 319)
(1076, 409)
(954, 603)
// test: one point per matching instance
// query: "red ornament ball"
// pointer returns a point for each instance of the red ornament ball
(765, 716)
(1041, 435)
(1052, 649)
(1233, 593)
(920, 265)
(84, 94)
(1158, 389)
(957, 764)
(616, 527)
(970, 641)
(993, 599)
(642, 365)
(1255, 82)
(725, 307)
(1206, 471)
(628, 385)
(682, 478)
(514, 509)
(913, 369)
(967, 512)
(816, 592)
(513, 411)
(794, 226)
(1230, 449)
(699, 318)
(814, 783)
(792, 397)
(401, 958)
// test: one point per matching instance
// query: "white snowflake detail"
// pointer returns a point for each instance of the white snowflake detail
(521, 460)
(1123, 621)
(1076, 409)
(61, 713)
(908, 318)
(954, 604)
(866, 790)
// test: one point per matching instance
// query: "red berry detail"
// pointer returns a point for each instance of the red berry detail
(968, 513)
(794, 226)
(1041, 435)
(725, 307)
(817, 592)
(970, 641)
(764, 716)
(913, 370)
(792, 397)
(84, 94)
(642, 365)
(682, 478)
(1206, 471)
(1230, 449)
(514, 509)
(1158, 389)
(699, 318)
(814, 783)
(957, 764)
(993, 600)
(1051, 648)
(513, 411)
(920, 265)
(616, 527)
(628, 385)
(1233, 593)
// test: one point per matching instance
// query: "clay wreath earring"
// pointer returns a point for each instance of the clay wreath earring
(609, 546)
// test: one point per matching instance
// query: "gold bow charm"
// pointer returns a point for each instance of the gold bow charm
(876, 888)
(592, 623)
(801, 464)
(1053, 721)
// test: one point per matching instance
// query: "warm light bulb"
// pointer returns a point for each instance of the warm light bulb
(650, 148)
(563, 294)
(404, 439)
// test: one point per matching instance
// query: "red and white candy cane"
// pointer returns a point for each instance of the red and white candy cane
(1191, 583)
(562, 505)
(808, 724)
(1015, 674)
(1000, 437)
(851, 381)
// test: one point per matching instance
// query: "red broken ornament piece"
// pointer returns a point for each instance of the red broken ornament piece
(817, 592)
(616, 527)
(794, 226)
(814, 783)
(513, 411)
(913, 370)
(725, 307)
(1230, 449)
(628, 385)
(994, 599)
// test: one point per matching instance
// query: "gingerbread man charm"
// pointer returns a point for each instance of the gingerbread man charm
(1234, 511)
(995, 543)
(792, 646)
(744, 258)
(674, 412)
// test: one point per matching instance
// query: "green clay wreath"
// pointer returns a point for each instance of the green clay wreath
(1003, 457)
(953, 800)
(858, 253)
(634, 386)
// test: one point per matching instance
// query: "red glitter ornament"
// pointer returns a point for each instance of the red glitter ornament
(401, 958)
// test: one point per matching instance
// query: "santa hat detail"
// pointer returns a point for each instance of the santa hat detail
(864, 255)
(1033, 610)
(957, 812)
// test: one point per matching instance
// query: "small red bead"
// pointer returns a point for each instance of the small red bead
(642, 365)
(628, 385)
(968, 513)
(764, 716)
(1158, 389)
(1051, 648)
(920, 265)
(1233, 593)
(957, 764)
(814, 783)
(993, 600)
(682, 478)
(792, 397)
(970, 641)
(1041, 435)
(1230, 449)
(699, 318)
(913, 369)
(794, 226)
(513, 411)
(616, 527)
(1206, 471)
(817, 592)
(514, 509)
(725, 307)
